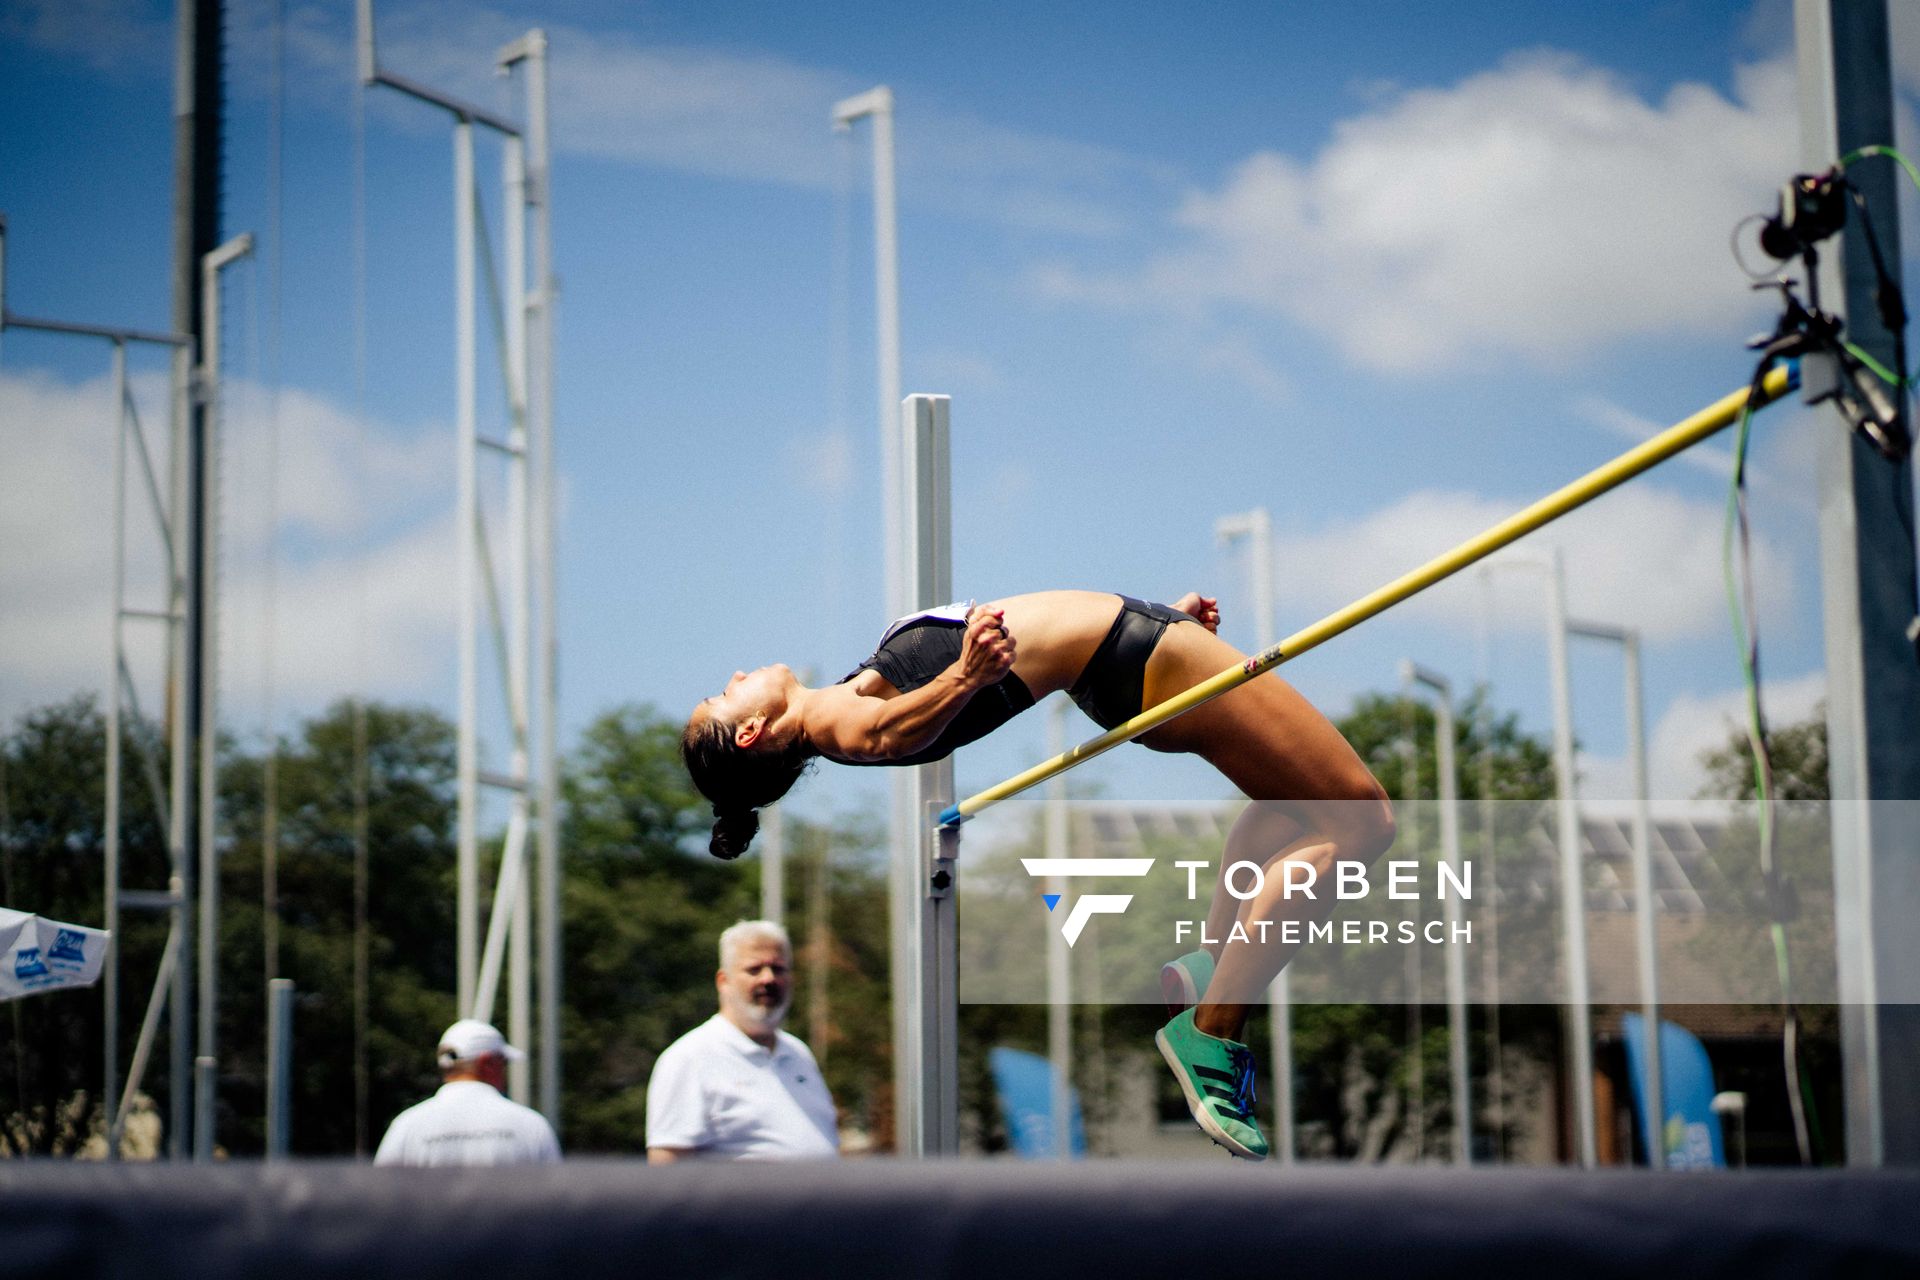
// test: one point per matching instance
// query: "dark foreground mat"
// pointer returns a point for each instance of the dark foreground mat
(988, 1219)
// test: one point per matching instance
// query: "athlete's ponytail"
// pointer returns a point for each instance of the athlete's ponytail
(738, 780)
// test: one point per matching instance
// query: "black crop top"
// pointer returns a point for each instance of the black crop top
(919, 647)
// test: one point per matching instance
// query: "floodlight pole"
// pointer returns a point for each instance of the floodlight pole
(877, 104)
(896, 476)
(1572, 871)
(1456, 961)
(1256, 527)
(1644, 903)
(206, 1062)
(1867, 579)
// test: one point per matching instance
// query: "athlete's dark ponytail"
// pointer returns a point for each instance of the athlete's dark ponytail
(738, 780)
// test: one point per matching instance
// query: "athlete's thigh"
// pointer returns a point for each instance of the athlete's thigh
(1264, 736)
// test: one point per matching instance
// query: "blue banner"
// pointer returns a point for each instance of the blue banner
(1689, 1130)
(1024, 1082)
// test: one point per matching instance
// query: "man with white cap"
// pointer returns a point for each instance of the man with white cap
(737, 1087)
(469, 1121)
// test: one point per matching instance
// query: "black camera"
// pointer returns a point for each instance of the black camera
(1813, 206)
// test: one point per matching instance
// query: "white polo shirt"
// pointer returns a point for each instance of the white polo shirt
(468, 1123)
(718, 1093)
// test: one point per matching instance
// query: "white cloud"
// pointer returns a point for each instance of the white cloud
(361, 589)
(1607, 547)
(1696, 723)
(1540, 207)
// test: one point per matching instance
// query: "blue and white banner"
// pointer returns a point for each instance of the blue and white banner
(37, 954)
(1689, 1131)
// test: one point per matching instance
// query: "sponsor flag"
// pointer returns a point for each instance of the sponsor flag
(37, 954)
(1689, 1130)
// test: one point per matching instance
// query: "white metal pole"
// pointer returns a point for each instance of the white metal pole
(773, 866)
(1456, 961)
(1059, 997)
(540, 303)
(1256, 527)
(929, 1106)
(520, 993)
(206, 1063)
(279, 1067)
(110, 974)
(904, 821)
(1645, 904)
(547, 648)
(1572, 876)
(183, 600)
(466, 532)
(877, 104)
(1647, 920)
(520, 557)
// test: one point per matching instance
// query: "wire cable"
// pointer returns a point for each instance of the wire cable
(1745, 618)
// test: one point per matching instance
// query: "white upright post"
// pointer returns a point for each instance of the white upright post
(928, 1076)
(1059, 974)
(466, 533)
(773, 866)
(110, 972)
(877, 104)
(1256, 527)
(279, 1067)
(1645, 905)
(206, 1062)
(184, 600)
(1573, 898)
(546, 652)
(1456, 960)
(904, 820)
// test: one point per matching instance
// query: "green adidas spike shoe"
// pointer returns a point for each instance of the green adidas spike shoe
(1217, 1077)
(1184, 981)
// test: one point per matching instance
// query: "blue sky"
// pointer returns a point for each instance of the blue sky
(1388, 277)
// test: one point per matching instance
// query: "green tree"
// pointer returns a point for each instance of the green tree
(393, 768)
(1798, 752)
(1737, 938)
(645, 906)
(52, 863)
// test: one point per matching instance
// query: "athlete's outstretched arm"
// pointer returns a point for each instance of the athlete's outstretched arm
(866, 729)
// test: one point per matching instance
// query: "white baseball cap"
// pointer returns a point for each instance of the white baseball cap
(471, 1038)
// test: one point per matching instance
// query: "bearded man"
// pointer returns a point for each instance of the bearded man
(737, 1087)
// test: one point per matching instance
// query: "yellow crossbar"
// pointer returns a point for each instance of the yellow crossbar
(1674, 439)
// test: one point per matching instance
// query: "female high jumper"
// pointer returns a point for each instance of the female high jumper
(948, 676)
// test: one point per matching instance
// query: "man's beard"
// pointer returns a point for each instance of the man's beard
(762, 1017)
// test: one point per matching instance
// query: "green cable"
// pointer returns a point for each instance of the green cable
(1777, 931)
(1887, 375)
(1878, 149)
(1763, 790)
